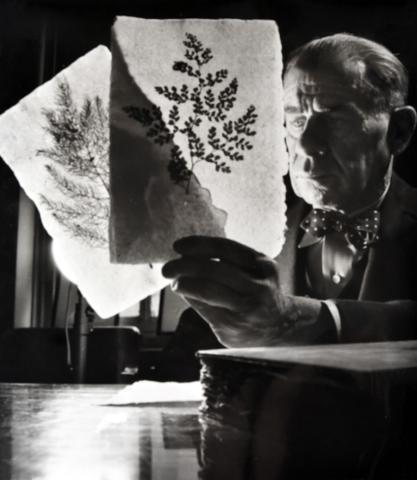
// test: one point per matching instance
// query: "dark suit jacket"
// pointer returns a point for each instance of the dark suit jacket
(386, 304)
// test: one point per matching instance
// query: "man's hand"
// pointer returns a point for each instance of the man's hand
(236, 290)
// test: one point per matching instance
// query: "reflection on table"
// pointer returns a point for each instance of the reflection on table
(60, 432)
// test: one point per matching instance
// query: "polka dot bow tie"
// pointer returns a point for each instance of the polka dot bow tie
(360, 231)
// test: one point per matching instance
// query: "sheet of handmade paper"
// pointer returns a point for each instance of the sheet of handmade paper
(197, 140)
(146, 391)
(56, 142)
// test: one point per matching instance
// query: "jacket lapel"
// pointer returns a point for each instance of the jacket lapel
(388, 270)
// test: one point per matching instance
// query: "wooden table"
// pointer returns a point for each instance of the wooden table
(60, 432)
(398, 360)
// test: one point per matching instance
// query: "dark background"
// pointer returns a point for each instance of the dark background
(73, 27)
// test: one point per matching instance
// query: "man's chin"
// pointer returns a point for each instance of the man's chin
(317, 198)
(323, 203)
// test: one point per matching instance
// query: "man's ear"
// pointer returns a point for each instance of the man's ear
(401, 128)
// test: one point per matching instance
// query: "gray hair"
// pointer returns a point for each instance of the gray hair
(377, 73)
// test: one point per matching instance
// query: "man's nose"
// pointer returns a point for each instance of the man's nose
(312, 141)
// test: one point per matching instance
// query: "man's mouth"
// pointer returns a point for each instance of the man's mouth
(314, 177)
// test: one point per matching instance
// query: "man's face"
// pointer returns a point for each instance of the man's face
(337, 145)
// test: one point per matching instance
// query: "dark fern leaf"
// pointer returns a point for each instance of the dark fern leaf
(209, 105)
(206, 56)
(78, 164)
(177, 167)
(227, 97)
(218, 77)
(141, 115)
(173, 94)
(174, 117)
(209, 99)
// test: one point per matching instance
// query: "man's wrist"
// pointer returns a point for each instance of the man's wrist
(308, 321)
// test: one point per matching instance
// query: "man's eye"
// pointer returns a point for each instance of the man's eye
(298, 122)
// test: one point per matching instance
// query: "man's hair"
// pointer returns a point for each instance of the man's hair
(377, 73)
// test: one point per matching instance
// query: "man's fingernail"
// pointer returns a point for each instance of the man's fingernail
(174, 285)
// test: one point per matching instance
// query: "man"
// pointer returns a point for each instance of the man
(348, 270)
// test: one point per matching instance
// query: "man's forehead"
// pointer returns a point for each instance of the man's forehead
(322, 84)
